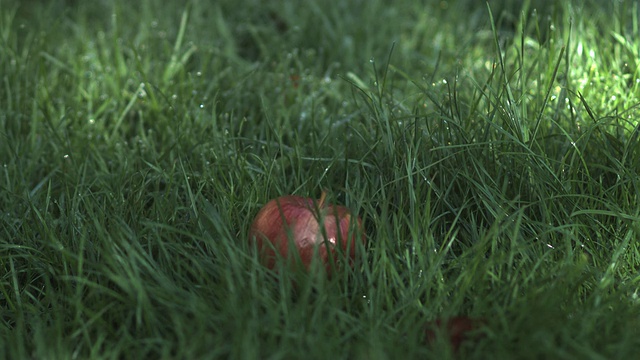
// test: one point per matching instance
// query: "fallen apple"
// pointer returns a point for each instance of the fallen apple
(313, 227)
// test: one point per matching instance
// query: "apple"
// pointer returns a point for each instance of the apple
(312, 226)
(456, 330)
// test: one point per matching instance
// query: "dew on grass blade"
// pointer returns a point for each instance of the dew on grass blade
(364, 297)
(141, 92)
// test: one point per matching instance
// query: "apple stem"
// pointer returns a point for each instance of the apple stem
(322, 197)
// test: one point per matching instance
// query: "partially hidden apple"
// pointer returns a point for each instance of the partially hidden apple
(312, 226)
(456, 330)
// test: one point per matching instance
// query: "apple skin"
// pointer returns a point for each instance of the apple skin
(299, 217)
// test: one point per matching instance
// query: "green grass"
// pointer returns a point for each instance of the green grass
(493, 154)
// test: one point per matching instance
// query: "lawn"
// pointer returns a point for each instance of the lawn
(492, 151)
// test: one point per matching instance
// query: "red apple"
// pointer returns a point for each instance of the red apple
(456, 330)
(304, 219)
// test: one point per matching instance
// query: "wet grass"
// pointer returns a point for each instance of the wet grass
(492, 152)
